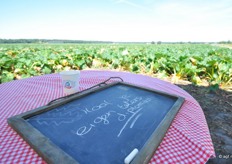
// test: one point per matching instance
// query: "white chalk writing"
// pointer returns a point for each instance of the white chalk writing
(128, 102)
(63, 115)
(130, 108)
(97, 107)
(124, 126)
(103, 118)
(136, 118)
(84, 130)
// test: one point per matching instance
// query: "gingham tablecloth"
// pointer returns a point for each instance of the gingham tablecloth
(187, 140)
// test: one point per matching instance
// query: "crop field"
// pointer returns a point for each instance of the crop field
(196, 63)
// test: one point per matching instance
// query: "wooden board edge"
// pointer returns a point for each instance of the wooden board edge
(149, 148)
(40, 143)
(45, 108)
(151, 89)
(53, 154)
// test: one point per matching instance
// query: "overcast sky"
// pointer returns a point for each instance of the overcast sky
(117, 20)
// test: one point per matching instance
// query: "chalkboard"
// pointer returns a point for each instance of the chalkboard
(103, 125)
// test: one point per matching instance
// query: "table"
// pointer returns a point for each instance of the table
(187, 140)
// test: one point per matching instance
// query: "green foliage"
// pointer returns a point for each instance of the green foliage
(190, 62)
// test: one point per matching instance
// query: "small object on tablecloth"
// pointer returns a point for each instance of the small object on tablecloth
(70, 81)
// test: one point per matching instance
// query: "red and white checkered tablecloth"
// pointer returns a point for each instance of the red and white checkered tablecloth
(187, 140)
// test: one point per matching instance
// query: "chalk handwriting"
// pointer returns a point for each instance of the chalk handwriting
(103, 118)
(136, 118)
(133, 109)
(121, 117)
(83, 130)
(57, 122)
(97, 107)
(64, 115)
(130, 112)
(124, 126)
(127, 102)
(125, 97)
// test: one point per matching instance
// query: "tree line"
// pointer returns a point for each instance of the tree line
(25, 41)
(60, 41)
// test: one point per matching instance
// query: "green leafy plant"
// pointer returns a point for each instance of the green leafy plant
(194, 63)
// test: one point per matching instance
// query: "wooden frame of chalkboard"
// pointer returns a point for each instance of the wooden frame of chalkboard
(146, 99)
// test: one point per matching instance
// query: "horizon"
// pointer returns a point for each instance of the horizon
(117, 20)
(96, 41)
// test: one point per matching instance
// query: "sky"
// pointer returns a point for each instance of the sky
(117, 20)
